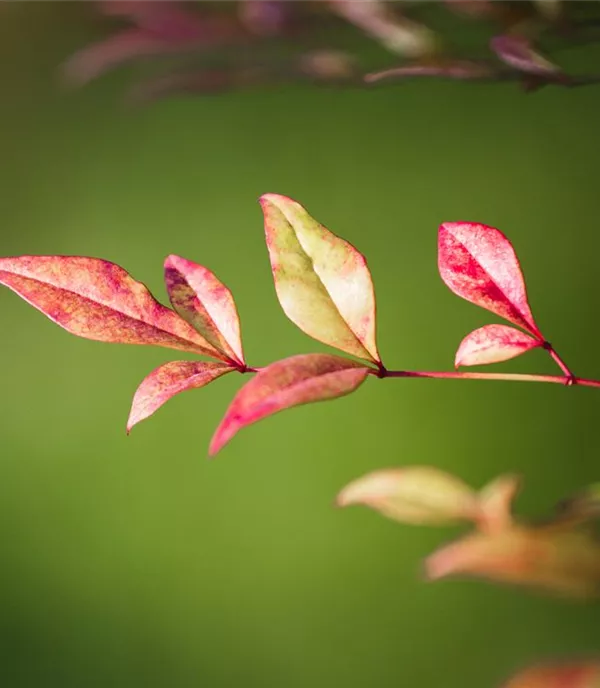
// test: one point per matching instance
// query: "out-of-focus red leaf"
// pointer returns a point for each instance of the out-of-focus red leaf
(290, 382)
(167, 381)
(328, 65)
(457, 69)
(421, 495)
(518, 52)
(495, 503)
(493, 344)
(97, 299)
(206, 303)
(170, 20)
(574, 674)
(479, 264)
(553, 559)
(322, 282)
(158, 32)
(264, 17)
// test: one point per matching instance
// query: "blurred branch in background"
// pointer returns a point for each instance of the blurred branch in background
(230, 45)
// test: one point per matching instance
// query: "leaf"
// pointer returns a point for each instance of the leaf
(575, 674)
(560, 561)
(206, 303)
(291, 382)
(395, 32)
(456, 69)
(583, 506)
(479, 264)
(493, 344)
(495, 503)
(96, 299)
(167, 381)
(322, 282)
(517, 52)
(415, 494)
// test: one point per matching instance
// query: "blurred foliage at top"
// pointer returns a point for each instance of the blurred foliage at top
(209, 47)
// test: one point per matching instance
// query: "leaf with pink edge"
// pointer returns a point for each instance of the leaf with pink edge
(291, 382)
(96, 299)
(322, 282)
(493, 344)
(168, 380)
(572, 674)
(478, 263)
(421, 495)
(552, 559)
(518, 53)
(206, 303)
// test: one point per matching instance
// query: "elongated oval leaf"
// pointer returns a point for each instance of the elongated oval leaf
(322, 282)
(479, 264)
(462, 70)
(206, 303)
(561, 562)
(290, 382)
(518, 52)
(167, 381)
(575, 674)
(493, 344)
(414, 494)
(97, 299)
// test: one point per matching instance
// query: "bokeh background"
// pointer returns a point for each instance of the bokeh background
(135, 561)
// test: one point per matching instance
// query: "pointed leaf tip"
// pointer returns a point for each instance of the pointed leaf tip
(290, 382)
(493, 344)
(206, 303)
(96, 299)
(322, 282)
(170, 379)
(420, 495)
(495, 503)
(478, 263)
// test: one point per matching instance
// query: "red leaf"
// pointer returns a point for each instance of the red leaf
(518, 52)
(96, 299)
(206, 303)
(291, 382)
(493, 344)
(167, 381)
(479, 264)
(558, 675)
(322, 282)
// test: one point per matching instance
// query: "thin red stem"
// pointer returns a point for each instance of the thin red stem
(515, 377)
(559, 362)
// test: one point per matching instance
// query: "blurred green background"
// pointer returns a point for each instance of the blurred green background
(134, 561)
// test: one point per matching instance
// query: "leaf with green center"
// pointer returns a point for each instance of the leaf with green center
(556, 560)
(414, 494)
(167, 381)
(96, 299)
(574, 674)
(291, 382)
(206, 303)
(493, 344)
(322, 282)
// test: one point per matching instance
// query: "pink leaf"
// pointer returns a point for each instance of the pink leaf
(518, 52)
(322, 282)
(97, 299)
(206, 303)
(575, 674)
(495, 503)
(493, 344)
(167, 381)
(553, 559)
(479, 264)
(291, 382)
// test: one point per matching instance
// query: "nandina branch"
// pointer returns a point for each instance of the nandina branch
(514, 377)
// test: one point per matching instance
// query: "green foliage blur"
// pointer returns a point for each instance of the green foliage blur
(134, 561)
